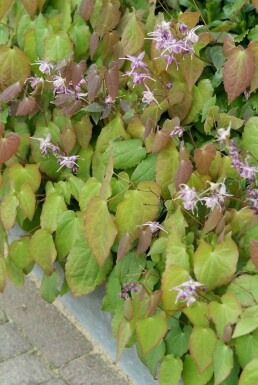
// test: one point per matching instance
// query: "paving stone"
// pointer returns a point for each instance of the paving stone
(11, 343)
(26, 369)
(91, 370)
(54, 382)
(51, 332)
(3, 317)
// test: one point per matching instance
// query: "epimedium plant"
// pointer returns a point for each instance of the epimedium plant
(128, 153)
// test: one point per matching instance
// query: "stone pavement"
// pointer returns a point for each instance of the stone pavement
(40, 346)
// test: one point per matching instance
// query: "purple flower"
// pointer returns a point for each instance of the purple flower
(34, 81)
(246, 170)
(187, 291)
(154, 226)
(191, 36)
(127, 288)
(189, 196)
(45, 67)
(138, 77)
(183, 28)
(136, 62)
(69, 162)
(148, 97)
(177, 131)
(218, 196)
(223, 134)
(253, 199)
(44, 144)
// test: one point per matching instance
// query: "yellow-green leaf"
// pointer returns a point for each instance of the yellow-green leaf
(43, 250)
(27, 200)
(150, 332)
(14, 65)
(8, 211)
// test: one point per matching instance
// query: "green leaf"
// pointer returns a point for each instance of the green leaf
(100, 229)
(138, 207)
(176, 253)
(82, 271)
(19, 175)
(49, 287)
(133, 36)
(19, 253)
(150, 332)
(158, 246)
(170, 370)
(80, 35)
(225, 313)
(128, 153)
(247, 348)
(245, 326)
(119, 187)
(177, 340)
(198, 314)
(249, 376)
(14, 65)
(250, 136)
(146, 169)
(173, 276)
(153, 358)
(89, 190)
(211, 267)
(66, 233)
(41, 32)
(124, 333)
(58, 46)
(43, 250)
(53, 207)
(14, 274)
(167, 164)
(114, 129)
(191, 375)
(202, 344)
(8, 211)
(223, 362)
(130, 267)
(245, 288)
(27, 200)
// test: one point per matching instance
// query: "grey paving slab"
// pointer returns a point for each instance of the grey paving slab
(3, 317)
(26, 369)
(11, 343)
(53, 335)
(54, 382)
(91, 370)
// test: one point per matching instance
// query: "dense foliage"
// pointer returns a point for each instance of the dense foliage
(128, 152)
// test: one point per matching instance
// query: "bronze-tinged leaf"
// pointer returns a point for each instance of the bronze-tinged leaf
(26, 106)
(229, 46)
(212, 221)
(8, 146)
(203, 157)
(86, 8)
(238, 72)
(94, 82)
(72, 108)
(227, 333)
(94, 43)
(153, 302)
(83, 131)
(255, 4)
(145, 237)
(112, 79)
(192, 68)
(254, 252)
(30, 6)
(78, 70)
(11, 92)
(183, 173)
(109, 17)
(5, 5)
(189, 18)
(149, 126)
(253, 47)
(14, 65)
(133, 36)
(109, 41)
(106, 190)
(68, 140)
(124, 245)
(161, 139)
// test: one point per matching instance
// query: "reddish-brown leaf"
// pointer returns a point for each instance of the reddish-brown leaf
(149, 126)
(68, 140)
(26, 106)
(253, 47)
(5, 5)
(78, 70)
(185, 168)
(11, 92)
(109, 17)
(254, 252)
(94, 82)
(229, 46)
(112, 79)
(160, 141)
(189, 18)
(213, 220)
(94, 43)
(83, 131)
(238, 72)
(86, 8)
(203, 157)
(145, 236)
(110, 39)
(30, 6)
(8, 146)
(192, 68)
(153, 302)
(125, 245)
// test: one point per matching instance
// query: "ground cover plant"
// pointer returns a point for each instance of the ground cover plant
(128, 154)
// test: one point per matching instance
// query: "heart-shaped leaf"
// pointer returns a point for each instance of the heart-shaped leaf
(150, 332)
(8, 146)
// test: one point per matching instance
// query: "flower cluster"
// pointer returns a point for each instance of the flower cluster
(46, 146)
(253, 199)
(187, 291)
(245, 169)
(127, 288)
(174, 39)
(153, 226)
(216, 198)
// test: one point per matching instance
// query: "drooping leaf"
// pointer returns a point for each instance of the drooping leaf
(15, 275)
(11, 92)
(14, 65)
(94, 82)
(223, 362)
(133, 36)
(100, 229)
(30, 6)
(150, 332)
(249, 376)
(108, 17)
(57, 46)
(166, 168)
(202, 345)
(82, 271)
(215, 267)
(250, 136)
(67, 232)
(19, 253)
(53, 207)
(86, 8)
(238, 72)
(9, 146)
(203, 157)
(27, 200)
(26, 106)
(8, 211)
(123, 335)
(191, 375)
(176, 253)
(170, 370)
(68, 140)
(49, 287)
(83, 131)
(247, 348)
(192, 68)
(229, 46)
(5, 5)
(112, 79)
(43, 250)
(138, 207)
